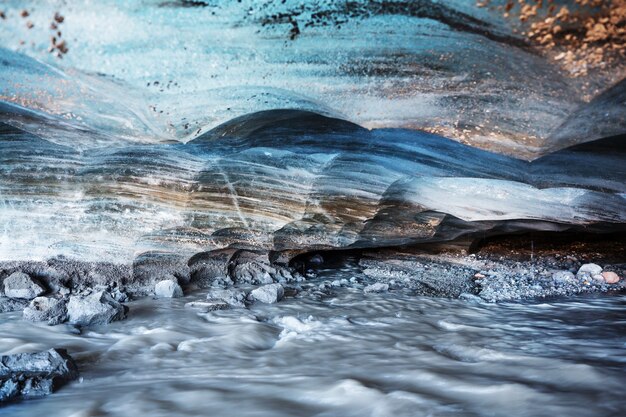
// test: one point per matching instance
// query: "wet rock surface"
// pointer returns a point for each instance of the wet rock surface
(269, 294)
(51, 310)
(231, 296)
(27, 375)
(95, 309)
(21, 285)
(422, 274)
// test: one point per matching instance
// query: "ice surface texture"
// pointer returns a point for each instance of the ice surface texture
(164, 69)
(290, 180)
(161, 130)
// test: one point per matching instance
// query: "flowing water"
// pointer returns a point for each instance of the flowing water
(344, 354)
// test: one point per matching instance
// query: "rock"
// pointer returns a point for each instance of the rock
(424, 278)
(610, 277)
(34, 374)
(598, 278)
(478, 275)
(233, 297)
(210, 268)
(21, 285)
(205, 307)
(97, 308)
(590, 269)
(470, 297)
(168, 289)
(149, 268)
(247, 267)
(316, 260)
(268, 294)
(251, 268)
(563, 277)
(51, 310)
(119, 295)
(9, 304)
(377, 287)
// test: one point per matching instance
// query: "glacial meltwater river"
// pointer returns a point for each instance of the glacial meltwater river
(343, 354)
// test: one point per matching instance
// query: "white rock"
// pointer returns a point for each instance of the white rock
(168, 289)
(34, 374)
(377, 287)
(590, 269)
(20, 285)
(268, 294)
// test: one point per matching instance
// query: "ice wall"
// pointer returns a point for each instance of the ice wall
(290, 180)
(181, 127)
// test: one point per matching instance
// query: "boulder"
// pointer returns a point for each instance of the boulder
(168, 288)
(268, 294)
(152, 267)
(211, 268)
(97, 308)
(598, 278)
(51, 310)
(377, 287)
(119, 295)
(21, 285)
(35, 374)
(589, 270)
(231, 296)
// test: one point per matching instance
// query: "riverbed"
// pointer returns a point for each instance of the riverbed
(341, 353)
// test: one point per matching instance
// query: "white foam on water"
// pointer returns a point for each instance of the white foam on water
(303, 356)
